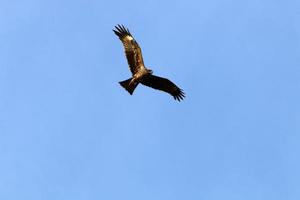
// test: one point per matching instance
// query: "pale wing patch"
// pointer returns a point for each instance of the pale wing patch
(128, 37)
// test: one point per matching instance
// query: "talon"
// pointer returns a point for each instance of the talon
(131, 82)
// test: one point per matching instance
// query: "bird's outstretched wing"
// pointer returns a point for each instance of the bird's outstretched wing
(165, 85)
(132, 50)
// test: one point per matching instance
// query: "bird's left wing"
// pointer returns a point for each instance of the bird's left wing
(132, 50)
(165, 85)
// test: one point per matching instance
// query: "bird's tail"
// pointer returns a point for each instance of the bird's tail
(129, 87)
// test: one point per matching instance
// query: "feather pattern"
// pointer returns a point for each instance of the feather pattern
(133, 51)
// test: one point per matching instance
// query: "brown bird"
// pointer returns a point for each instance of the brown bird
(140, 74)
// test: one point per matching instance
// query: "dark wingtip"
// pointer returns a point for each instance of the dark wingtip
(180, 95)
(116, 32)
(121, 31)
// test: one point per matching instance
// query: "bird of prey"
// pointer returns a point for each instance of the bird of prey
(141, 74)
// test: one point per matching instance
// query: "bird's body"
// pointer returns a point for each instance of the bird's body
(140, 74)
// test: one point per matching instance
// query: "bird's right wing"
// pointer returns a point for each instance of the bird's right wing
(132, 50)
(165, 85)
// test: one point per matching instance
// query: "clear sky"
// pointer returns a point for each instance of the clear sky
(69, 131)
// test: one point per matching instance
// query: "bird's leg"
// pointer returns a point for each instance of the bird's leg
(132, 81)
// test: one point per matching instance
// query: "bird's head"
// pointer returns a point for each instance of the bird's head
(150, 71)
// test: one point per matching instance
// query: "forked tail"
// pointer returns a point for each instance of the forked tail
(129, 87)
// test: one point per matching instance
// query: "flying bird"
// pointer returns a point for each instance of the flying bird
(141, 74)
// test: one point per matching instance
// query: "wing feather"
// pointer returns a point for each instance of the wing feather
(165, 85)
(133, 51)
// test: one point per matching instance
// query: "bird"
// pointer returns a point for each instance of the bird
(140, 73)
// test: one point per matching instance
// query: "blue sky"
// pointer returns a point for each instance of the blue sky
(69, 131)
